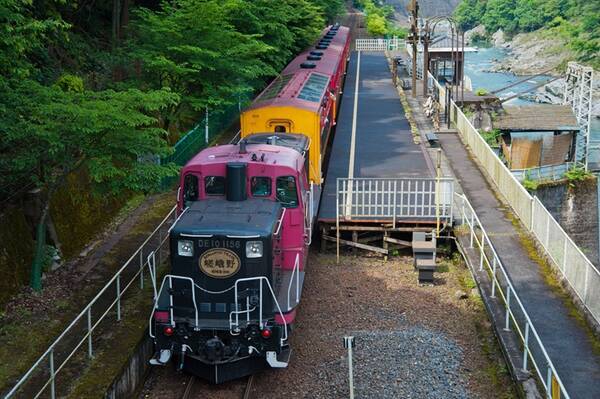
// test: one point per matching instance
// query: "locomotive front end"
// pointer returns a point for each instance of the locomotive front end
(217, 314)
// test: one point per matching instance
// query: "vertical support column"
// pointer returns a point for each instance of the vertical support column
(206, 125)
(52, 376)
(494, 264)
(118, 282)
(525, 348)
(385, 245)
(89, 326)
(141, 271)
(507, 318)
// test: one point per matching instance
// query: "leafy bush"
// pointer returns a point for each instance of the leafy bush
(578, 174)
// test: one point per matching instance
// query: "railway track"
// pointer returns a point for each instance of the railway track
(193, 389)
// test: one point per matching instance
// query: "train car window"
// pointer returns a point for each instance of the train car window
(190, 189)
(287, 193)
(280, 129)
(260, 186)
(214, 185)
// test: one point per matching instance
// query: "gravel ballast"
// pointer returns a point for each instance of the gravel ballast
(411, 341)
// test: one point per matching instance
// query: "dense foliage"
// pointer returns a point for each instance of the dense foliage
(106, 87)
(576, 21)
(378, 18)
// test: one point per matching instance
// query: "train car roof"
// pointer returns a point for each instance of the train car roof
(255, 153)
(330, 58)
(218, 216)
(305, 87)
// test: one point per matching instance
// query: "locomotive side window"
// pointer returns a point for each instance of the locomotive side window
(190, 189)
(260, 186)
(280, 129)
(214, 185)
(287, 193)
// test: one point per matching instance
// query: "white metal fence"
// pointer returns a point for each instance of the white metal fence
(393, 198)
(502, 290)
(378, 44)
(77, 339)
(582, 276)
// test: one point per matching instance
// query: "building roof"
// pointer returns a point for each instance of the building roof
(445, 43)
(539, 117)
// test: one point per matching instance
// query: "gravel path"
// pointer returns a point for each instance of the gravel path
(411, 341)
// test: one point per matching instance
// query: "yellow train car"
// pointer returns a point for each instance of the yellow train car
(303, 98)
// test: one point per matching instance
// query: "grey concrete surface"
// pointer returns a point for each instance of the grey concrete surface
(384, 145)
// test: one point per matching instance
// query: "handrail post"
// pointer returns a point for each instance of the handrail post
(482, 253)
(549, 382)
(141, 271)
(525, 347)
(89, 326)
(472, 227)
(118, 297)
(507, 319)
(52, 375)
(494, 278)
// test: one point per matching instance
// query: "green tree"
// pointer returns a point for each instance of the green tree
(468, 13)
(193, 48)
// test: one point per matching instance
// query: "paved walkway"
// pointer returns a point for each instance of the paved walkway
(567, 343)
(373, 136)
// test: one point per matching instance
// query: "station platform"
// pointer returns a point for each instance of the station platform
(373, 138)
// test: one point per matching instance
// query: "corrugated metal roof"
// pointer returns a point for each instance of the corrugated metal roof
(539, 117)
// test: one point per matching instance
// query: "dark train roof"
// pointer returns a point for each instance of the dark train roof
(298, 142)
(251, 217)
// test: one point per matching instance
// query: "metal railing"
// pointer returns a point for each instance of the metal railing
(393, 198)
(547, 172)
(502, 290)
(379, 44)
(81, 330)
(296, 274)
(576, 268)
(580, 273)
(508, 185)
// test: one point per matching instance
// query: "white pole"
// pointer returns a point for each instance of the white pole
(206, 125)
(349, 343)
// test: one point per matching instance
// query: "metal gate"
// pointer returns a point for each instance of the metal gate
(378, 44)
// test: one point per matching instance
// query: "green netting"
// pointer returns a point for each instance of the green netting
(219, 120)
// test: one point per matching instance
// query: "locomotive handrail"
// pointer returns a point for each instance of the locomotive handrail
(260, 279)
(170, 277)
(295, 271)
(280, 222)
(308, 214)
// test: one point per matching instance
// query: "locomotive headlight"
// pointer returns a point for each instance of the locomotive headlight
(185, 248)
(254, 249)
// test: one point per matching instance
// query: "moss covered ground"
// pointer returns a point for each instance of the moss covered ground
(32, 321)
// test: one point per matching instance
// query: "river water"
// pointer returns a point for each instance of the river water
(477, 65)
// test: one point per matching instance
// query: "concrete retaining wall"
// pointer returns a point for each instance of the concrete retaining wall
(576, 209)
(129, 381)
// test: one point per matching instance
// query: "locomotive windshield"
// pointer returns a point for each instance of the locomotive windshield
(287, 193)
(214, 185)
(261, 186)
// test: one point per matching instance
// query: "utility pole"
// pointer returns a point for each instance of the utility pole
(426, 38)
(414, 37)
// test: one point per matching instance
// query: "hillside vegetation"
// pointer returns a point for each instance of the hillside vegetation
(576, 22)
(101, 88)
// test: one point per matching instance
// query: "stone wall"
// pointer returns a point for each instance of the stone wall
(575, 207)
